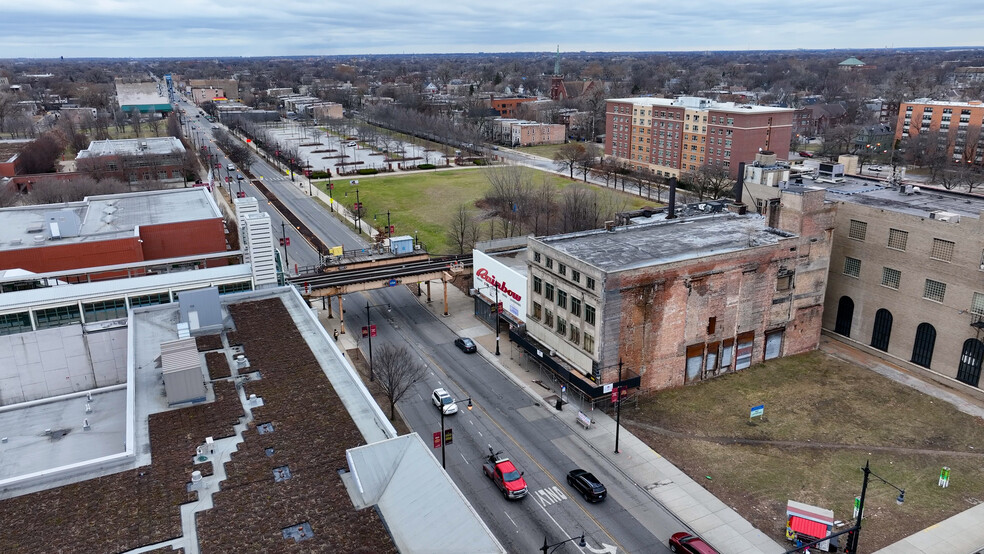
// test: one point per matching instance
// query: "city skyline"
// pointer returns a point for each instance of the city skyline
(54, 28)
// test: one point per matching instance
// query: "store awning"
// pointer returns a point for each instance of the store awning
(809, 528)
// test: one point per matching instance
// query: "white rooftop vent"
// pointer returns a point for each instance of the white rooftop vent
(948, 217)
(40, 238)
(36, 227)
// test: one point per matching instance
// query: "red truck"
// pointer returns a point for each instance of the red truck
(504, 474)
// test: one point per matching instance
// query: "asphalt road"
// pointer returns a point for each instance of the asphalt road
(530, 435)
(504, 416)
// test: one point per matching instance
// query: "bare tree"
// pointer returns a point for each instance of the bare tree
(588, 160)
(135, 121)
(50, 190)
(569, 155)
(154, 121)
(396, 371)
(40, 154)
(462, 230)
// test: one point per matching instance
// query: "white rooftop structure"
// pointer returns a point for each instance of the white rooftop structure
(697, 103)
(102, 217)
(132, 147)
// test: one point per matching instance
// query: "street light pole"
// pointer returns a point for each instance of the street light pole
(618, 405)
(497, 310)
(853, 542)
(283, 230)
(369, 334)
(545, 547)
(443, 459)
(358, 212)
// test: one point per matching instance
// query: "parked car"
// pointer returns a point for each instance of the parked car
(351, 144)
(874, 168)
(443, 401)
(504, 474)
(692, 544)
(587, 484)
(465, 344)
(231, 167)
(806, 154)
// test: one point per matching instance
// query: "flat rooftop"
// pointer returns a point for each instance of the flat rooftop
(693, 102)
(46, 435)
(138, 94)
(637, 246)
(152, 146)
(105, 217)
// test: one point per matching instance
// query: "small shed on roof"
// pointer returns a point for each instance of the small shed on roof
(182, 368)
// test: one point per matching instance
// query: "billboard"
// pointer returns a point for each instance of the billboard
(489, 274)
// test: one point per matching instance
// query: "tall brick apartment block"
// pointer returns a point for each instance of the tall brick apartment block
(685, 299)
(956, 126)
(673, 136)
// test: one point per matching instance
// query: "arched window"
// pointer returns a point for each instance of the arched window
(922, 349)
(845, 314)
(882, 330)
(970, 362)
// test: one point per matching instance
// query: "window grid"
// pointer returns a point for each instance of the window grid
(942, 250)
(590, 282)
(852, 267)
(589, 314)
(897, 239)
(561, 326)
(549, 292)
(102, 311)
(561, 299)
(537, 310)
(538, 285)
(891, 278)
(15, 323)
(858, 230)
(977, 304)
(934, 290)
(576, 307)
(575, 335)
(588, 345)
(56, 317)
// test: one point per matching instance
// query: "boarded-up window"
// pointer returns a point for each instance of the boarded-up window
(727, 354)
(773, 344)
(711, 360)
(695, 359)
(744, 354)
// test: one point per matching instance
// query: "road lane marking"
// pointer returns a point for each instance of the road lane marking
(511, 520)
(550, 495)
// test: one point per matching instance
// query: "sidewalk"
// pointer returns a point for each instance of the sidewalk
(684, 498)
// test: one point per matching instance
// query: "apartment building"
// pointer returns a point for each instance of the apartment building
(956, 125)
(683, 299)
(906, 268)
(670, 137)
(517, 132)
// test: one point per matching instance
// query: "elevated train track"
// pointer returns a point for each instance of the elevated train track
(393, 273)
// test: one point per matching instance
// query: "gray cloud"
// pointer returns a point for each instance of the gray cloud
(122, 28)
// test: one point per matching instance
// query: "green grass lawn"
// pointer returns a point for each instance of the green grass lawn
(811, 399)
(424, 201)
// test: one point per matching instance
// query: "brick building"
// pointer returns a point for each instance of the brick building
(516, 132)
(906, 275)
(506, 107)
(132, 160)
(682, 300)
(111, 230)
(672, 136)
(956, 125)
(201, 95)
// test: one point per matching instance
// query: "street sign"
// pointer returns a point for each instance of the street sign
(437, 439)
(757, 411)
(448, 435)
(393, 282)
(606, 388)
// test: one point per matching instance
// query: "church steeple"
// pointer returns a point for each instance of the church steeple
(557, 89)
(557, 62)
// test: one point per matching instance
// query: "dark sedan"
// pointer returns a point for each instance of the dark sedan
(587, 484)
(465, 344)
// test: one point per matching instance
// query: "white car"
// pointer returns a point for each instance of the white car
(231, 167)
(351, 144)
(874, 168)
(443, 400)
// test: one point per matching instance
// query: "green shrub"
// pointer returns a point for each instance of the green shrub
(426, 166)
(480, 161)
(367, 171)
(320, 174)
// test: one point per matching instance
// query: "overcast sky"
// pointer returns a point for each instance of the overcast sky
(202, 28)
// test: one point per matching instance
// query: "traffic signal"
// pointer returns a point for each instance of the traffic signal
(849, 543)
